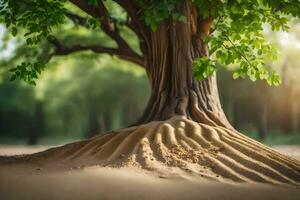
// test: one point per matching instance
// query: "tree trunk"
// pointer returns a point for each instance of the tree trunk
(170, 53)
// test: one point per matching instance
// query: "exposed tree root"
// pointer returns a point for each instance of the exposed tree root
(181, 144)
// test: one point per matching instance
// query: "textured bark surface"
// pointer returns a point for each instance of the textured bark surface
(170, 53)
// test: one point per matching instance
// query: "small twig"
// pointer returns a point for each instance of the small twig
(219, 19)
(241, 54)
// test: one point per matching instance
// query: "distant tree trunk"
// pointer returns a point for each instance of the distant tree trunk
(102, 126)
(129, 113)
(93, 124)
(262, 113)
(294, 111)
(38, 124)
(290, 103)
(97, 123)
(230, 105)
(263, 122)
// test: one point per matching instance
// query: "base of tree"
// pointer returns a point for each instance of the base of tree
(172, 145)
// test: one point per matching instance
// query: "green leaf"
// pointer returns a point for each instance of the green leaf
(29, 41)
(13, 77)
(235, 75)
(203, 67)
(14, 31)
(92, 2)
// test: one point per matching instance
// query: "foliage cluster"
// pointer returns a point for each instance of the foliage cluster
(236, 36)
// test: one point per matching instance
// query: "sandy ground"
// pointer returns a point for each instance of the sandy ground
(21, 149)
(290, 150)
(107, 183)
(127, 183)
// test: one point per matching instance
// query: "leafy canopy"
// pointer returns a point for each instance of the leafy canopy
(236, 36)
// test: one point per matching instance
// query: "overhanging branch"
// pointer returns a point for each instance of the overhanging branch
(79, 20)
(61, 50)
(109, 27)
(84, 6)
(135, 22)
(76, 19)
(107, 24)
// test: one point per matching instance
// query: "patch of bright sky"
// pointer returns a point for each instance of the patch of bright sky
(6, 50)
(288, 40)
(284, 39)
(288, 45)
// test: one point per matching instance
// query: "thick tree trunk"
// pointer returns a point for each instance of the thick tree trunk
(170, 53)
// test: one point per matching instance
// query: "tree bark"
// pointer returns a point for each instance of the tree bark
(170, 52)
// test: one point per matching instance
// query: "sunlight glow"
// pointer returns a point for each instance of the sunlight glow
(6, 49)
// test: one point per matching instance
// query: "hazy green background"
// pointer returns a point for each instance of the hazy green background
(84, 94)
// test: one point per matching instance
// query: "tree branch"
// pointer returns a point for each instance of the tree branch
(76, 19)
(109, 27)
(135, 22)
(133, 12)
(84, 6)
(62, 50)
(215, 26)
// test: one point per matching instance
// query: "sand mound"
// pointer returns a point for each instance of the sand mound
(176, 146)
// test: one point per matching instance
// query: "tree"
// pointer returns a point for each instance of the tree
(179, 42)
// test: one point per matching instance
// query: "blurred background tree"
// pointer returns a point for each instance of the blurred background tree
(77, 97)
